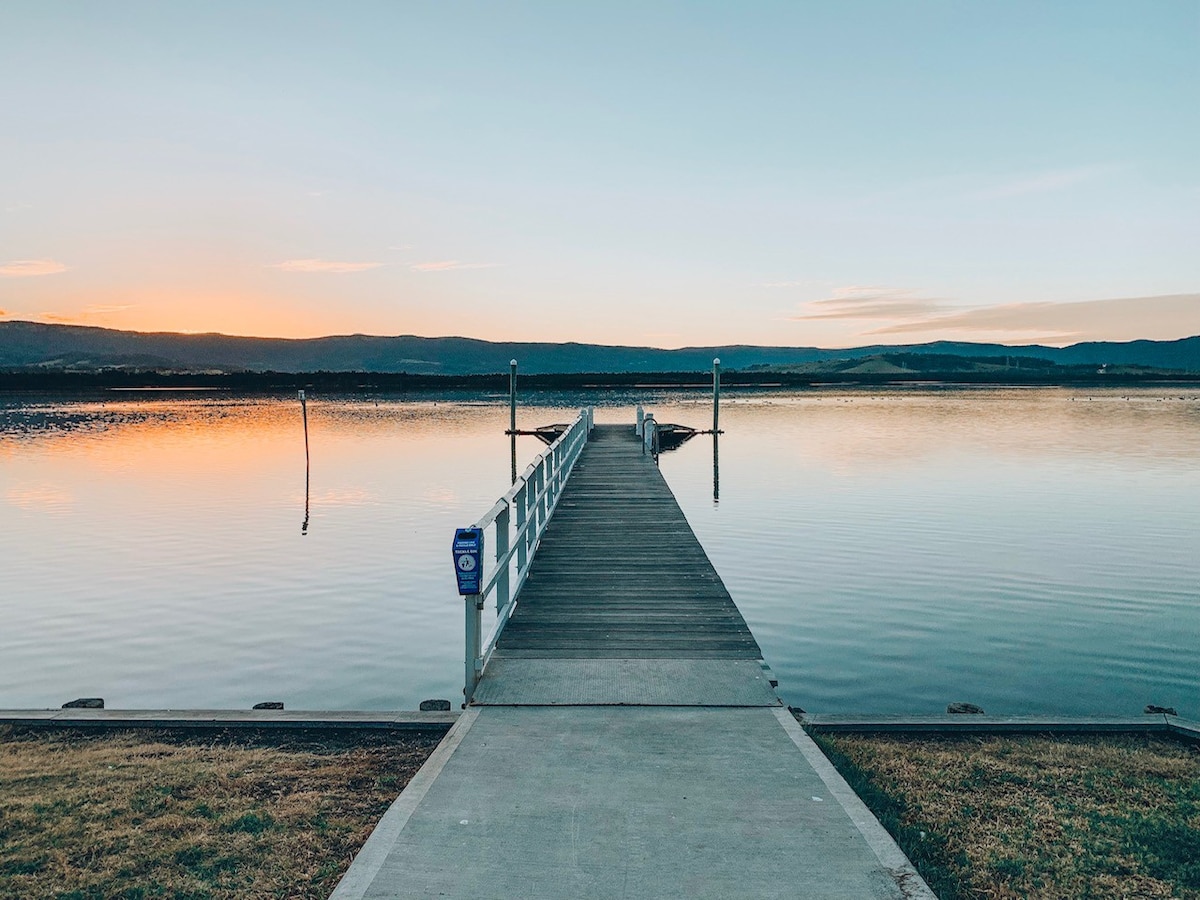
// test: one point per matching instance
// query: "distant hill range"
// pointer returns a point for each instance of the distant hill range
(30, 345)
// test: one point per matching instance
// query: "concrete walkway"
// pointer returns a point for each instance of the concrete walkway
(625, 740)
(609, 802)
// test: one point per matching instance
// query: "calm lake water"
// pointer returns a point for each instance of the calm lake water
(1032, 551)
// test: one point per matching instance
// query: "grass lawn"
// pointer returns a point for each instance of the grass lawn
(147, 814)
(1032, 816)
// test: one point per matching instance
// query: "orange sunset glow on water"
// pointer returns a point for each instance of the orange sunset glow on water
(174, 549)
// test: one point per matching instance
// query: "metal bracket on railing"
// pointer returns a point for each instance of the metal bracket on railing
(650, 436)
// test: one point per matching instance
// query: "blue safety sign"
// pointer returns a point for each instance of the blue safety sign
(468, 559)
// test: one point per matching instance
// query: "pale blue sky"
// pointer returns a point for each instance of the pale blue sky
(662, 173)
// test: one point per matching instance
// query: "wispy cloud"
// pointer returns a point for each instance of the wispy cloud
(30, 268)
(934, 192)
(871, 302)
(816, 284)
(1157, 318)
(324, 266)
(890, 311)
(449, 265)
(88, 313)
(1045, 182)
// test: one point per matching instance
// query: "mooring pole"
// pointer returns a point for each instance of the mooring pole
(304, 413)
(716, 396)
(512, 414)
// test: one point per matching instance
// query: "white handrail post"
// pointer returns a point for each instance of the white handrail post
(502, 583)
(522, 511)
(543, 508)
(641, 417)
(530, 510)
(539, 478)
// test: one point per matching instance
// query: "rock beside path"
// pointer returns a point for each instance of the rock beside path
(85, 703)
(1152, 710)
(969, 709)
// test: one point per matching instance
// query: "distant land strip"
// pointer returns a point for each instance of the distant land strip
(69, 382)
(75, 348)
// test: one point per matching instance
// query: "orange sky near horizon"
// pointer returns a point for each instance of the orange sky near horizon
(663, 175)
(844, 320)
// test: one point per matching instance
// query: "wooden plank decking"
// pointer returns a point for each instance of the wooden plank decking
(620, 574)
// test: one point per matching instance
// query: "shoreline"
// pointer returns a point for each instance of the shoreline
(67, 383)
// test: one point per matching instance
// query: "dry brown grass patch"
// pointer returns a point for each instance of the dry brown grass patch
(1026, 816)
(139, 814)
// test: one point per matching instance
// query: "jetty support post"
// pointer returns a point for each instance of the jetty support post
(716, 468)
(512, 415)
(641, 417)
(717, 396)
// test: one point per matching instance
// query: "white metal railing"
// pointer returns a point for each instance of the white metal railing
(516, 523)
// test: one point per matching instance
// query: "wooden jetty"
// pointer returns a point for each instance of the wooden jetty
(619, 572)
(621, 604)
(622, 736)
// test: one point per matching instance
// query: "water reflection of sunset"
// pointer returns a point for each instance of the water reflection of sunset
(156, 547)
(848, 431)
(38, 496)
(184, 522)
(164, 436)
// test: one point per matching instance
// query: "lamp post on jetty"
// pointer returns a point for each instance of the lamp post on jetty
(716, 395)
(512, 415)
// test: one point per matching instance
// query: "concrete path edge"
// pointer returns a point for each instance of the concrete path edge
(886, 850)
(225, 719)
(374, 852)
